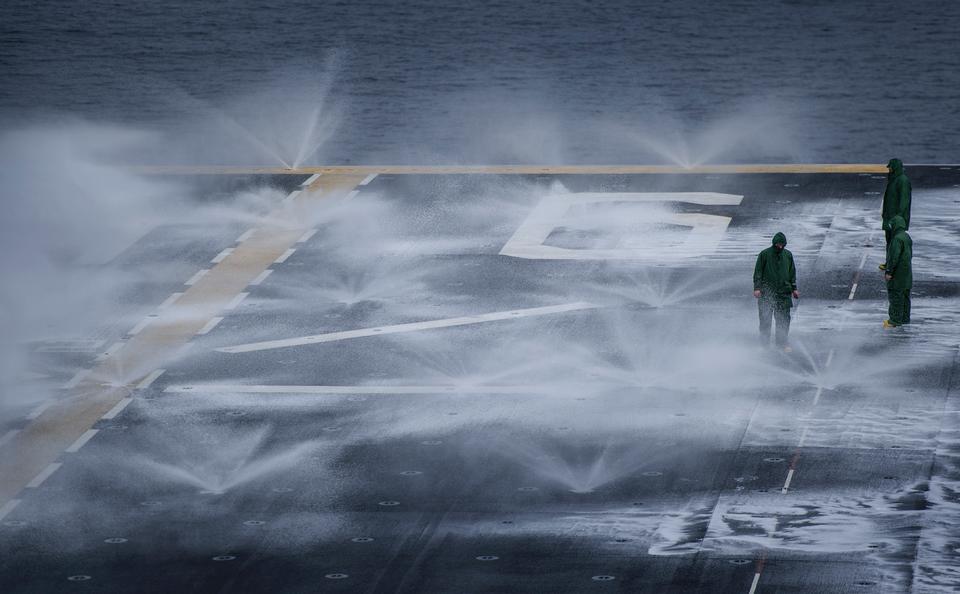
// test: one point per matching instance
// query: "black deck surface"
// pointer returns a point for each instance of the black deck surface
(641, 444)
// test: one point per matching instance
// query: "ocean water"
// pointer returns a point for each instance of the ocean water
(444, 81)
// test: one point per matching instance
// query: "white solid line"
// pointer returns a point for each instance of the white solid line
(193, 279)
(307, 235)
(139, 327)
(756, 580)
(209, 326)
(76, 379)
(44, 475)
(116, 410)
(8, 507)
(110, 351)
(39, 410)
(863, 261)
(786, 485)
(352, 194)
(261, 277)
(280, 389)
(81, 441)
(236, 301)
(368, 179)
(246, 235)
(143, 385)
(411, 327)
(283, 257)
(816, 399)
(222, 255)
(853, 291)
(170, 300)
(291, 197)
(8, 436)
(310, 180)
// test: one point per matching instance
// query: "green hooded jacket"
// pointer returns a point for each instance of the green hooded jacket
(775, 274)
(897, 195)
(899, 256)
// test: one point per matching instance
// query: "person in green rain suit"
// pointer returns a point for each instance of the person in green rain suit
(899, 273)
(774, 282)
(896, 197)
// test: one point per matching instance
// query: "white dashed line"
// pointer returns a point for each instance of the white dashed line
(853, 291)
(786, 485)
(283, 257)
(246, 235)
(863, 261)
(411, 327)
(753, 586)
(261, 277)
(81, 441)
(816, 399)
(196, 277)
(830, 357)
(143, 385)
(368, 179)
(352, 194)
(803, 438)
(110, 351)
(76, 379)
(44, 475)
(307, 235)
(116, 410)
(139, 327)
(293, 195)
(222, 255)
(170, 300)
(310, 180)
(39, 410)
(236, 301)
(209, 326)
(8, 507)
(8, 436)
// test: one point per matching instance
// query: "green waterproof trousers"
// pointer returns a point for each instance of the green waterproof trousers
(899, 310)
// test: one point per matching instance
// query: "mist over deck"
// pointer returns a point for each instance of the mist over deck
(500, 379)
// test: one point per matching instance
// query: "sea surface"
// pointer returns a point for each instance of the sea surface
(445, 81)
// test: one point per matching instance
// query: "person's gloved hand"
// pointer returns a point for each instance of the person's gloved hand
(796, 294)
(757, 293)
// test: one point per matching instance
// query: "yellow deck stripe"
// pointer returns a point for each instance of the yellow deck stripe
(45, 438)
(510, 169)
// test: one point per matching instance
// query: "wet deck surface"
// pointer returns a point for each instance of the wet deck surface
(637, 441)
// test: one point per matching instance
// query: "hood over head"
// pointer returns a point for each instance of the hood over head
(779, 238)
(895, 166)
(897, 224)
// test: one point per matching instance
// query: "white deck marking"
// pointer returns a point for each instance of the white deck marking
(246, 235)
(368, 179)
(293, 195)
(116, 410)
(139, 327)
(236, 301)
(170, 300)
(39, 410)
(44, 475)
(853, 291)
(411, 327)
(8, 436)
(830, 357)
(863, 261)
(786, 485)
(306, 236)
(803, 438)
(816, 399)
(82, 441)
(196, 277)
(310, 180)
(222, 255)
(8, 507)
(261, 277)
(280, 389)
(352, 194)
(283, 257)
(753, 586)
(143, 385)
(110, 351)
(76, 379)
(209, 326)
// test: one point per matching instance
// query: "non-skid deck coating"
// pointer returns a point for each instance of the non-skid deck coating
(447, 383)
